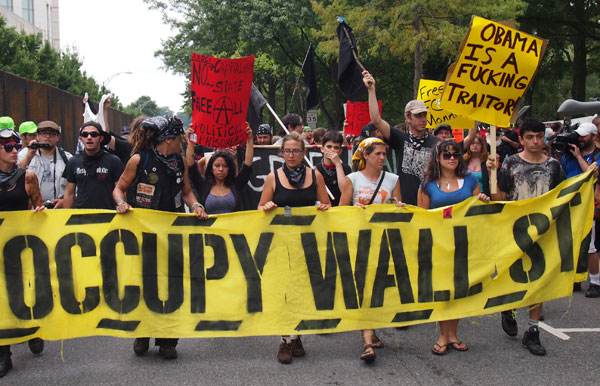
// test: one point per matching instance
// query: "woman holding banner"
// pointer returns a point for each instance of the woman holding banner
(370, 184)
(19, 190)
(447, 182)
(293, 185)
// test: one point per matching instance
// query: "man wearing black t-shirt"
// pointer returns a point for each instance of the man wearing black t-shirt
(92, 174)
(413, 148)
(331, 167)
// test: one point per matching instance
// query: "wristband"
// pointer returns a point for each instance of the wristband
(197, 205)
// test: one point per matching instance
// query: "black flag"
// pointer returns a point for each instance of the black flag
(349, 72)
(257, 102)
(310, 78)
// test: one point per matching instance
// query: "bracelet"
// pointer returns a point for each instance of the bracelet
(120, 201)
(197, 205)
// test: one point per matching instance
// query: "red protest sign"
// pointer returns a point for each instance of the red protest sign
(357, 115)
(220, 96)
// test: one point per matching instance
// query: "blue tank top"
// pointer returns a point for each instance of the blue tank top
(220, 204)
(439, 198)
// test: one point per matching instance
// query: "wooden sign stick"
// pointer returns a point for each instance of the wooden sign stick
(493, 179)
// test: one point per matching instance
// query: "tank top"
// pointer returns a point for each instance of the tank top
(14, 197)
(295, 197)
(220, 204)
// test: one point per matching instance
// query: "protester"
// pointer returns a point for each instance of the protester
(443, 131)
(220, 190)
(318, 135)
(510, 143)
(92, 173)
(19, 190)
(48, 163)
(525, 175)
(370, 130)
(574, 162)
(332, 168)
(307, 134)
(596, 121)
(293, 122)
(28, 132)
(159, 180)
(448, 182)
(476, 156)
(293, 185)
(264, 134)
(370, 184)
(413, 148)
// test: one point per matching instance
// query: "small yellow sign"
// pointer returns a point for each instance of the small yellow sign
(430, 92)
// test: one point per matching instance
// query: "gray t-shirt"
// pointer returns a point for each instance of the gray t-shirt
(522, 180)
(49, 173)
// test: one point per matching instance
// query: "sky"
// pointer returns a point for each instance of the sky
(115, 36)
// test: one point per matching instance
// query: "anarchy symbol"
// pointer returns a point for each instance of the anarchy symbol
(223, 111)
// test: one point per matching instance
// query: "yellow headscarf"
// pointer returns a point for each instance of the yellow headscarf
(359, 154)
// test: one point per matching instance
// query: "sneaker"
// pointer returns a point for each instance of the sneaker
(297, 348)
(36, 345)
(509, 324)
(168, 352)
(284, 355)
(593, 291)
(577, 287)
(5, 361)
(531, 340)
(140, 345)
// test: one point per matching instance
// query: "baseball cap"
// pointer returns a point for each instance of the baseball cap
(7, 122)
(586, 128)
(48, 125)
(306, 128)
(442, 126)
(415, 107)
(27, 127)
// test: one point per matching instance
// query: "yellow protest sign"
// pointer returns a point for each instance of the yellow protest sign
(494, 69)
(430, 92)
(70, 273)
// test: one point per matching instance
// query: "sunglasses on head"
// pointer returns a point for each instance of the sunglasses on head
(447, 155)
(93, 134)
(9, 148)
(8, 133)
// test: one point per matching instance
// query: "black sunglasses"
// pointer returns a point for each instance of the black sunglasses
(447, 155)
(93, 134)
(9, 148)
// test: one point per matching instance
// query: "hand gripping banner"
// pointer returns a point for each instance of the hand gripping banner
(74, 273)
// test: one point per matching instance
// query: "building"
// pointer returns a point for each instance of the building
(33, 16)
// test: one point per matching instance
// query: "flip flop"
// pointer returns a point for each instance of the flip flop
(377, 343)
(437, 349)
(456, 346)
(368, 355)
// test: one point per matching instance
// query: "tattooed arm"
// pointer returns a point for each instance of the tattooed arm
(33, 191)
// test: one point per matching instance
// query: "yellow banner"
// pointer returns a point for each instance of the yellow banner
(430, 92)
(70, 273)
(494, 69)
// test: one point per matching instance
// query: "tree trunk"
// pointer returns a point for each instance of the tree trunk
(418, 58)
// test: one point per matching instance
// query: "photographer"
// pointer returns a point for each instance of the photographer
(48, 162)
(574, 162)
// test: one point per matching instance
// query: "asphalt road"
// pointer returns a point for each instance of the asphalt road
(493, 358)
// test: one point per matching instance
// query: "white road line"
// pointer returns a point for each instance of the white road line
(579, 329)
(557, 333)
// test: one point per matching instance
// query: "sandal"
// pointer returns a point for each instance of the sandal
(368, 355)
(377, 343)
(457, 346)
(437, 349)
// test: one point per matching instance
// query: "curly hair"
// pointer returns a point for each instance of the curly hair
(230, 164)
(434, 168)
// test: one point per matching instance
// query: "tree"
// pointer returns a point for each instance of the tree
(144, 105)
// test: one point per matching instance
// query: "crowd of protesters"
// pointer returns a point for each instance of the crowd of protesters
(152, 164)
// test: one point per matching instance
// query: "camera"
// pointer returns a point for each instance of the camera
(560, 144)
(49, 204)
(39, 145)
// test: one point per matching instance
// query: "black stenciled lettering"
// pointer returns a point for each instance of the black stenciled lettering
(562, 215)
(110, 280)
(425, 266)
(253, 266)
(13, 271)
(197, 275)
(531, 248)
(150, 274)
(64, 271)
(221, 266)
(461, 262)
(511, 61)
(323, 286)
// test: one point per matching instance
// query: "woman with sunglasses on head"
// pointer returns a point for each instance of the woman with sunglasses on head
(447, 182)
(293, 185)
(19, 190)
(370, 184)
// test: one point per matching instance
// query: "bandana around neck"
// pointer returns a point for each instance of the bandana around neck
(417, 142)
(295, 176)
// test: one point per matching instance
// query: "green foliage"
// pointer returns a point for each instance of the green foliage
(144, 105)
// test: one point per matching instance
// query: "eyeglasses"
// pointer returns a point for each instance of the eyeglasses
(93, 134)
(9, 148)
(447, 155)
(292, 151)
(48, 133)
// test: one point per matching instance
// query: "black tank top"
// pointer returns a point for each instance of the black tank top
(295, 197)
(14, 197)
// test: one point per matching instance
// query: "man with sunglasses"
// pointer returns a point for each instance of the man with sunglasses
(18, 191)
(48, 163)
(92, 173)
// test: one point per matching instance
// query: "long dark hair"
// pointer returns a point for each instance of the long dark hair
(434, 168)
(230, 164)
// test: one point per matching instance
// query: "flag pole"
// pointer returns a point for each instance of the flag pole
(353, 47)
(298, 78)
